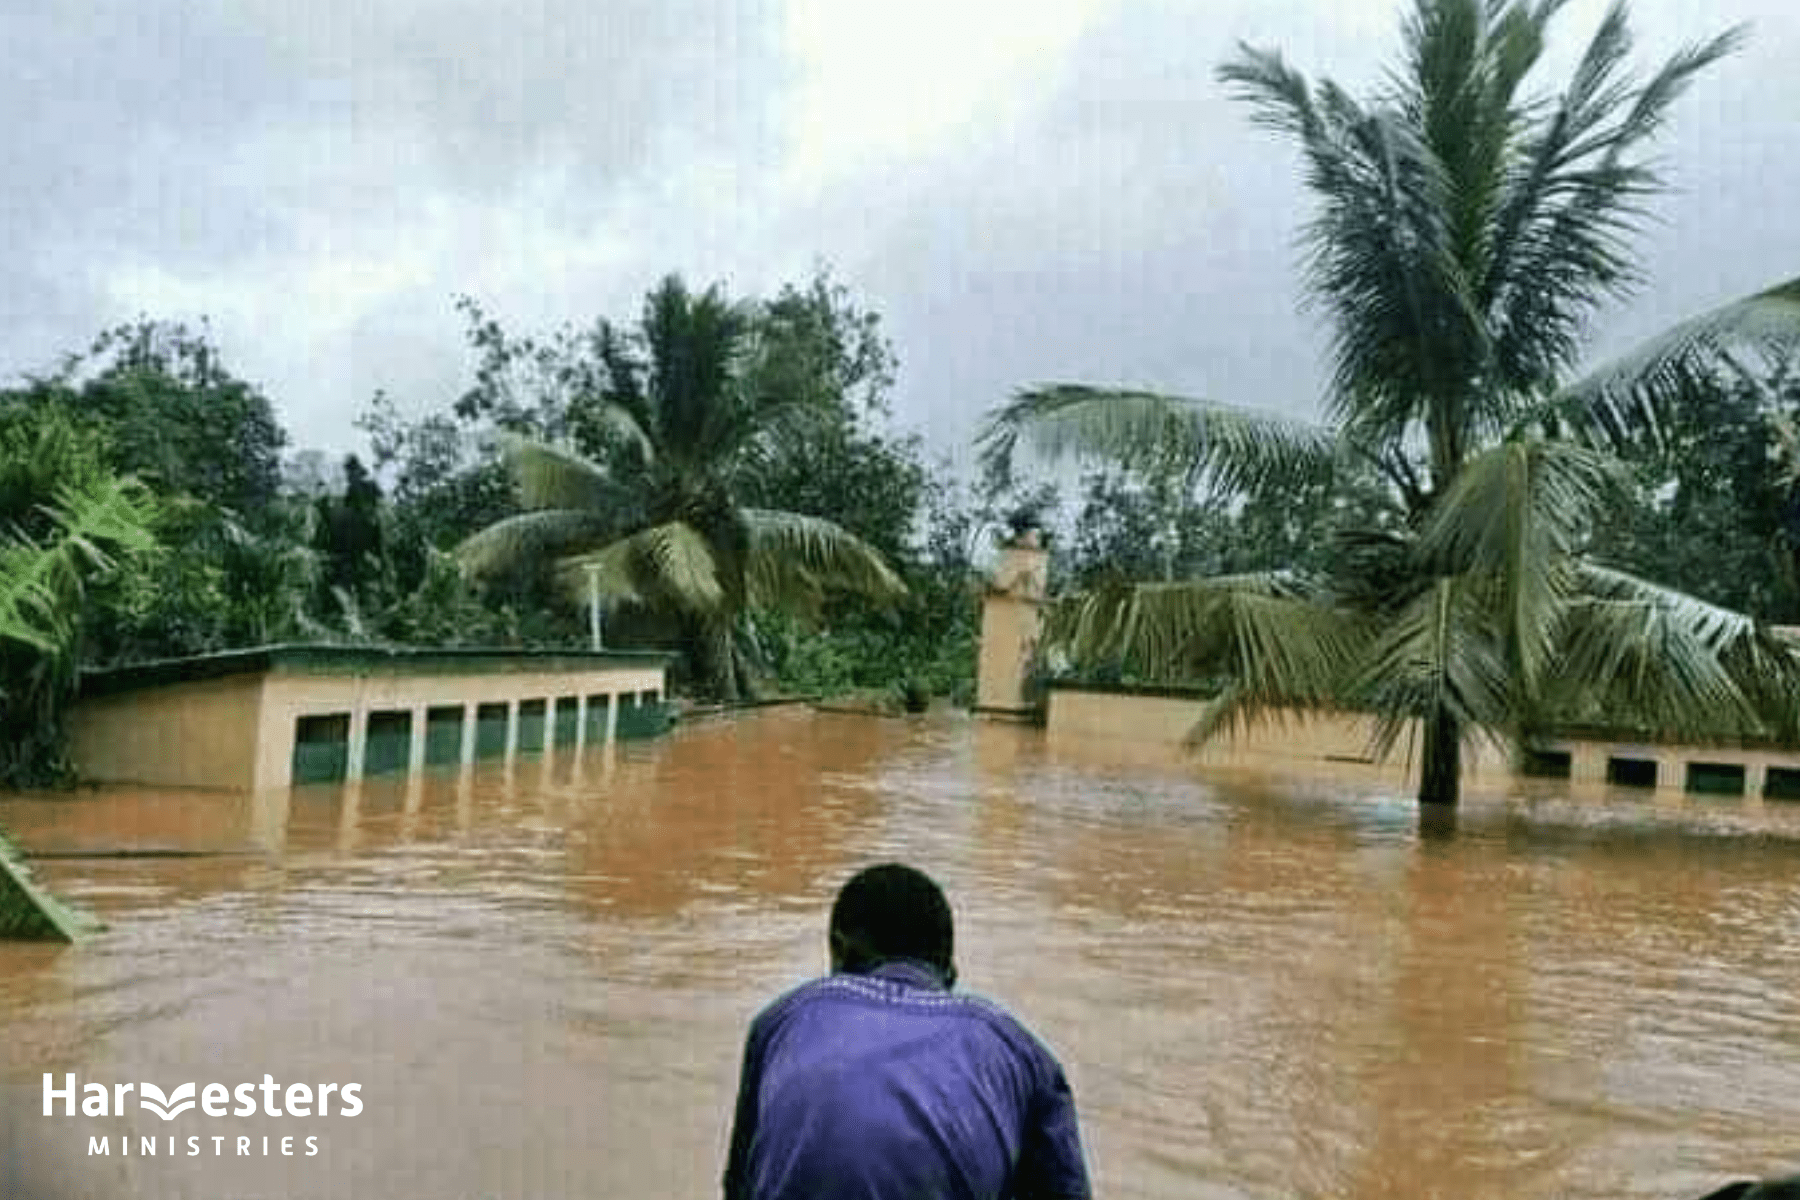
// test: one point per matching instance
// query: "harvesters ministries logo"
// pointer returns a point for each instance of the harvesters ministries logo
(209, 1101)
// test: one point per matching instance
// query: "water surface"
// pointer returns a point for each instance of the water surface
(1261, 987)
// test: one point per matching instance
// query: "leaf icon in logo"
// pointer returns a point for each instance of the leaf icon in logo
(163, 1106)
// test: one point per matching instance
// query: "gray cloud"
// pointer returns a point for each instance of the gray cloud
(322, 178)
(1140, 231)
(221, 153)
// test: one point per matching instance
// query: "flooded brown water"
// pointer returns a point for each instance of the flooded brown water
(1260, 987)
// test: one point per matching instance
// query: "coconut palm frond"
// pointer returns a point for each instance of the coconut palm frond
(551, 477)
(794, 559)
(117, 510)
(695, 345)
(670, 563)
(1382, 248)
(1630, 400)
(1574, 198)
(613, 575)
(1272, 642)
(1651, 658)
(1088, 627)
(619, 421)
(1766, 666)
(1237, 448)
(1227, 712)
(532, 537)
(1515, 516)
(1442, 653)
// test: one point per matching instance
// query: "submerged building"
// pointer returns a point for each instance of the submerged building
(282, 715)
(1126, 718)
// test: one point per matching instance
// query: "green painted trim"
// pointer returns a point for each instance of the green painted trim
(301, 659)
(645, 720)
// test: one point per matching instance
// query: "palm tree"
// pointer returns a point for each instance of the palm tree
(1464, 232)
(654, 521)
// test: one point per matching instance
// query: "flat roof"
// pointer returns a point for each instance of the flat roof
(311, 659)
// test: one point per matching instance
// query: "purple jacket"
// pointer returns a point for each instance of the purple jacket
(886, 1086)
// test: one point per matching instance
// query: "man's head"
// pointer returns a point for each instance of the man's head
(1765, 1189)
(889, 912)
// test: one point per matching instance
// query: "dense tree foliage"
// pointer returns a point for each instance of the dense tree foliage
(177, 419)
(1714, 501)
(66, 522)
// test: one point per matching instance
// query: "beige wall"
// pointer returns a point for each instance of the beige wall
(199, 734)
(1136, 724)
(1587, 761)
(1009, 629)
(238, 732)
(1290, 740)
(288, 697)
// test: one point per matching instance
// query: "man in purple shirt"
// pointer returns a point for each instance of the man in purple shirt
(878, 1082)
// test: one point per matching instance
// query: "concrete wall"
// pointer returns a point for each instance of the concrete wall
(1135, 722)
(197, 734)
(1290, 740)
(1588, 761)
(288, 697)
(1009, 630)
(238, 731)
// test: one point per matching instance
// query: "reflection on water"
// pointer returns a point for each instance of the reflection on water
(1262, 987)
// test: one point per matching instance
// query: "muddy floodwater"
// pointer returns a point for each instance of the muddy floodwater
(539, 977)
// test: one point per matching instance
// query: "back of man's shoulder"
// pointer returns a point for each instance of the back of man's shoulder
(1009, 1028)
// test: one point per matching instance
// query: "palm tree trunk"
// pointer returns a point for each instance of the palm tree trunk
(748, 686)
(1440, 770)
(715, 660)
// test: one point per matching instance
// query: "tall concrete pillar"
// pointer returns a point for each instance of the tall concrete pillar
(547, 759)
(466, 755)
(359, 742)
(1011, 613)
(415, 747)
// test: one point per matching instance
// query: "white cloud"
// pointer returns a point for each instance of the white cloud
(884, 82)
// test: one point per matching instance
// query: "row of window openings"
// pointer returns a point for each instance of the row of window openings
(322, 743)
(1703, 778)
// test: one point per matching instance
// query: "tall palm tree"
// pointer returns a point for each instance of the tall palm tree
(1465, 230)
(654, 521)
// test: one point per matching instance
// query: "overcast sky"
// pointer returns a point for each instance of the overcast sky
(1047, 189)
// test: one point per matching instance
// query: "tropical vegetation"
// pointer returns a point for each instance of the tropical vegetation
(151, 506)
(1467, 226)
(1477, 541)
(677, 420)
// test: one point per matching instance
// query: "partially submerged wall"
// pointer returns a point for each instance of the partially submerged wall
(1141, 719)
(195, 733)
(266, 718)
(1159, 717)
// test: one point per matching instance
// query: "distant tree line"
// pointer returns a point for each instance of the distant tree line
(151, 506)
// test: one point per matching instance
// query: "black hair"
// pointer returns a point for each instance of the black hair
(1766, 1189)
(892, 911)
